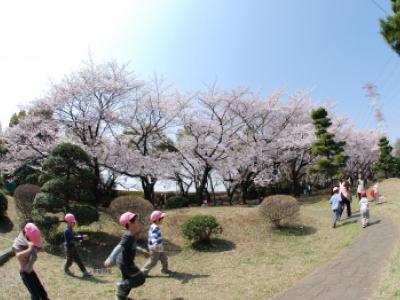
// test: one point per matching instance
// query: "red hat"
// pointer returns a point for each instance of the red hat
(363, 194)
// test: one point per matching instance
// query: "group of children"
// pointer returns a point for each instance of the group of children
(341, 198)
(28, 243)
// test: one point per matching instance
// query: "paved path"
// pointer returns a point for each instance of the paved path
(354, 273)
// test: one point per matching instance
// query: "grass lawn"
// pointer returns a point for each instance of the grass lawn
(389, 287)
(250, 260)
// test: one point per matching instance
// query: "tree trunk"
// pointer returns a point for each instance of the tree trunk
(244, 186)
(202, 185)
(148, 188)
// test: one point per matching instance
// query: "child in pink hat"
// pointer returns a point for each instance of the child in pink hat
(69, 244)
(155, 244)
(124, 255)
(26, 247)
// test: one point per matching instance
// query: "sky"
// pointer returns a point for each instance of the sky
(331, 47)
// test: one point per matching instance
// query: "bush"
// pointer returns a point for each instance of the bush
(48, 202)
(279, 208)
(3, 204)
(176, 202)
(84, 214)
(24, 196)
(57, 186)
(200, 228)
(134, 204)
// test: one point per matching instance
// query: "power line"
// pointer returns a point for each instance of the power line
(380, 7)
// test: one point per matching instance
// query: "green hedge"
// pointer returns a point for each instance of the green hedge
(176, 202)
(200, 228)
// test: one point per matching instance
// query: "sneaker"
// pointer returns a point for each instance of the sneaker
(69, 273)
(166, 272)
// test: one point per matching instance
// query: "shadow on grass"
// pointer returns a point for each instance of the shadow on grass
(374, 223)
(5, 224)
(215, 245)
(181, 276)
(349, 222)
(92, 279)
(296, 230)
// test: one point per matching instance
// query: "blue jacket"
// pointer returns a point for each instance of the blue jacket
(70, 238)
(335, 201)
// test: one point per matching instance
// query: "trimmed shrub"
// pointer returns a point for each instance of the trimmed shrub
(134, 204)
(57, 186)
(85, 214)
(200, 228)
(48, 202)
(279, 208)
(24, 196)
(176, 202)
(3, 204)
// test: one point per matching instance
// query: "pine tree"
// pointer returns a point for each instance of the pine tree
(386, 165)
(390, 27)
(330, 153)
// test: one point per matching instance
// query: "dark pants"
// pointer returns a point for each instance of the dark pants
(72, 256)
(34, 286)
(346, 202)
(129, 282)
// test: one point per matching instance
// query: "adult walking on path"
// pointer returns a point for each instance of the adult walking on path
(345, 277)
(346, 196)
(361, 185)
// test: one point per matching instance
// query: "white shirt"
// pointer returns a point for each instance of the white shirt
(363, 203)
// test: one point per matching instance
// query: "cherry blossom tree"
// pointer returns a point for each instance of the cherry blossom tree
(209, 130)
(30, 141)
(148, 121)
(88, 103)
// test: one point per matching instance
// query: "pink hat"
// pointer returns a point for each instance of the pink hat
(126, 218)
(70, 218)
(33, 234)
(363, 193)
(335, 189)
(156, 215)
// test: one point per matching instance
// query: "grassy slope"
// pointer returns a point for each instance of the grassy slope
(252, 261)
(389, 287)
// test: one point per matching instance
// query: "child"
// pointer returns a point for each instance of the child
(375, 192)
(155, 243)
(335, 202)
(26, 247)
(364, 209)
(124, 254)
(69, 244)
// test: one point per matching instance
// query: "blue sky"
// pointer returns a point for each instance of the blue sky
(332, 47)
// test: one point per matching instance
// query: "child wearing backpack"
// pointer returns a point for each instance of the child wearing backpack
(26, 247)
(124, 255)
(155, 244)
(69, 244)
(364, 209)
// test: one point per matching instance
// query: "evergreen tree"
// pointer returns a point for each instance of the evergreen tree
(386, 166)
(67, 178)
(390, 27)
(330, 153)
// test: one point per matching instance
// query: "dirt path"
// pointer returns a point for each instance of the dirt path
(354, 273)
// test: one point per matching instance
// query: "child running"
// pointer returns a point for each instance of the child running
(155, 244)
(124, 255)
(364, 209)
(335, 202)
(26, 247)
(70, 249)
